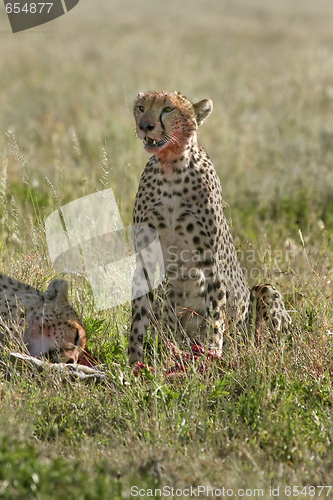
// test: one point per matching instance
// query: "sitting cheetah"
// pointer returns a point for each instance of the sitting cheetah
(45, 321)
(180, 197)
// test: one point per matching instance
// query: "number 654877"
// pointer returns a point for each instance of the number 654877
(31, 8)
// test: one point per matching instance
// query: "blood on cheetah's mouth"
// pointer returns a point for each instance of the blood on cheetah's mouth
(153, 143)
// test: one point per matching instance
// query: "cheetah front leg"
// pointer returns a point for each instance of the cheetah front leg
(141, 311)
(140, 322)
(149, 259)
(216, 306)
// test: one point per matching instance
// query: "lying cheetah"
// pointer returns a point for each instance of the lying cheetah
(180, 197)
(45, 321)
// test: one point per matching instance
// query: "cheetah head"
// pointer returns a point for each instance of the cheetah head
(166, 121)
(61, 343)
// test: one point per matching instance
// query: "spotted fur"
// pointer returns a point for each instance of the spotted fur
(180, 197)
(45, 321)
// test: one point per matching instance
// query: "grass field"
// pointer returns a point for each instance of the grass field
(264, 418)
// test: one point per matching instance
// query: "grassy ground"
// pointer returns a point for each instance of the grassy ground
(264, 419)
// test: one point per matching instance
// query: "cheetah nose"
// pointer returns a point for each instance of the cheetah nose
(146, 126)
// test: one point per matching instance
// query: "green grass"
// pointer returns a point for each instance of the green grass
(264, 417)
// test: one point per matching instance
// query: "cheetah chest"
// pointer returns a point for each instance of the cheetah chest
(176, 220)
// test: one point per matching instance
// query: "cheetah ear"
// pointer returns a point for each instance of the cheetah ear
(202, 110)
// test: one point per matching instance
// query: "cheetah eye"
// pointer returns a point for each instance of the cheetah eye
(141, 109)
(168, 109)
